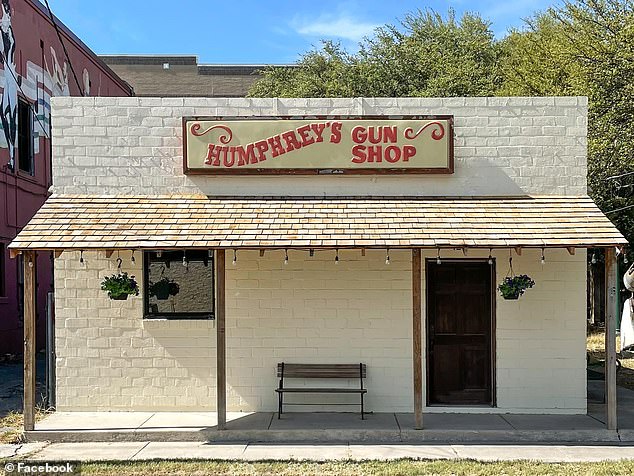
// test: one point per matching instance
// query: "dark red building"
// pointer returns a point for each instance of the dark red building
(39, 58)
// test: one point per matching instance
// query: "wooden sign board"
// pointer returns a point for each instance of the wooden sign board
(341, 145)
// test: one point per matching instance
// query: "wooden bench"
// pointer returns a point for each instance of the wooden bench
(321, 371)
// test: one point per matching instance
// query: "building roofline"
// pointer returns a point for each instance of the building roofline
(41, 8)
(181, 59)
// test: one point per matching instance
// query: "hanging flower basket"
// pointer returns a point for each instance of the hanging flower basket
(514, 286)
(164, 288)
(120, 286)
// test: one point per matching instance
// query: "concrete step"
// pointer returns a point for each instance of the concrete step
(334, 435)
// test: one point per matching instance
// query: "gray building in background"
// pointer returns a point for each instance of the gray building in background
(180, 76)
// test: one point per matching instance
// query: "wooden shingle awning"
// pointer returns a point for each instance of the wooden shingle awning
(85, 222)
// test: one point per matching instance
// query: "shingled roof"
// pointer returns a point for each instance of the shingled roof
(163, 222)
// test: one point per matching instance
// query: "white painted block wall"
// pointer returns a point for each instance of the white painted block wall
(311, 310)
(109, 358)
(503, 146)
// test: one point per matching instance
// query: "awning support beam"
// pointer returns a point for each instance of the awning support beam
(610, 338)
(221, 351)
(417, 337)
(30, 273)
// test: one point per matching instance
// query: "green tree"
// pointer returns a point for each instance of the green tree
(585, 47)
(427, 55)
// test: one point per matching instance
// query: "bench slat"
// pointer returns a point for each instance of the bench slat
(321, 390)
(321, 370)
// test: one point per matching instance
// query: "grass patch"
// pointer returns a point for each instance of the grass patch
(349, 468)
(595, 345)
(14, 421)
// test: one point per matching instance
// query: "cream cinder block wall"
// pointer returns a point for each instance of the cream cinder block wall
(503, 146)
(109, 358)
(311, 310)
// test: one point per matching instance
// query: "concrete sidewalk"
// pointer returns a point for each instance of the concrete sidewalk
(323, 452)
(309, 428)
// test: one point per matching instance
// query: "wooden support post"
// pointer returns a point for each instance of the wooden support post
(221, 351)
(417, 338)
(610, 338)
(30, 273)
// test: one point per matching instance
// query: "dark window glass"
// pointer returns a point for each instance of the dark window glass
(179, 284)
(3, 288)
(25, 138)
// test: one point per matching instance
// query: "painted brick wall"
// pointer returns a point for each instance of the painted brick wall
(503, 146)
(310, 310)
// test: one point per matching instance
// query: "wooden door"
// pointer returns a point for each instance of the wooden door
(460, 332)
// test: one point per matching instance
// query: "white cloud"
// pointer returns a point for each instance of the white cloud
(342, 26)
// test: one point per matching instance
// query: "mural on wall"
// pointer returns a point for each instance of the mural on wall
(38, 85)
(9, 82)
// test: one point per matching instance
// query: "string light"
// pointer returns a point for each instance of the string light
(490, 257)
(543, 259)
(132, 259)
(30, 263)
(159, 253)
(119, 260)
(594, 258)
(285, 257)
(235, 258)
(185, 262)
(438, 260)
(387, 256)
(311, 253)
(81, 256)
(337, 256)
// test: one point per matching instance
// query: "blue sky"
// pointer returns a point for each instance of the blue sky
(254, 31)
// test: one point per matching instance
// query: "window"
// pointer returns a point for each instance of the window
(25, 138)
(3, 288)
(179, 284)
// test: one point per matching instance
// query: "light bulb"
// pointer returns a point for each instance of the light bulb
(594, 258)
(438, 260)
(235, 258)
(337, 257)
(285, 257)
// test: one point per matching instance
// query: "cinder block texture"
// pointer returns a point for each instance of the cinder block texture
(503, 146)
(311, 310)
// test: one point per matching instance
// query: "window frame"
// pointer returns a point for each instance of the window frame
(186, 316)
(24, 103)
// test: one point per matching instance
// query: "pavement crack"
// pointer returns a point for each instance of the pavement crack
(140, 449)
(144, 422)
(400, 430)
(454, 451)
(16, 450)
(509, 423)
